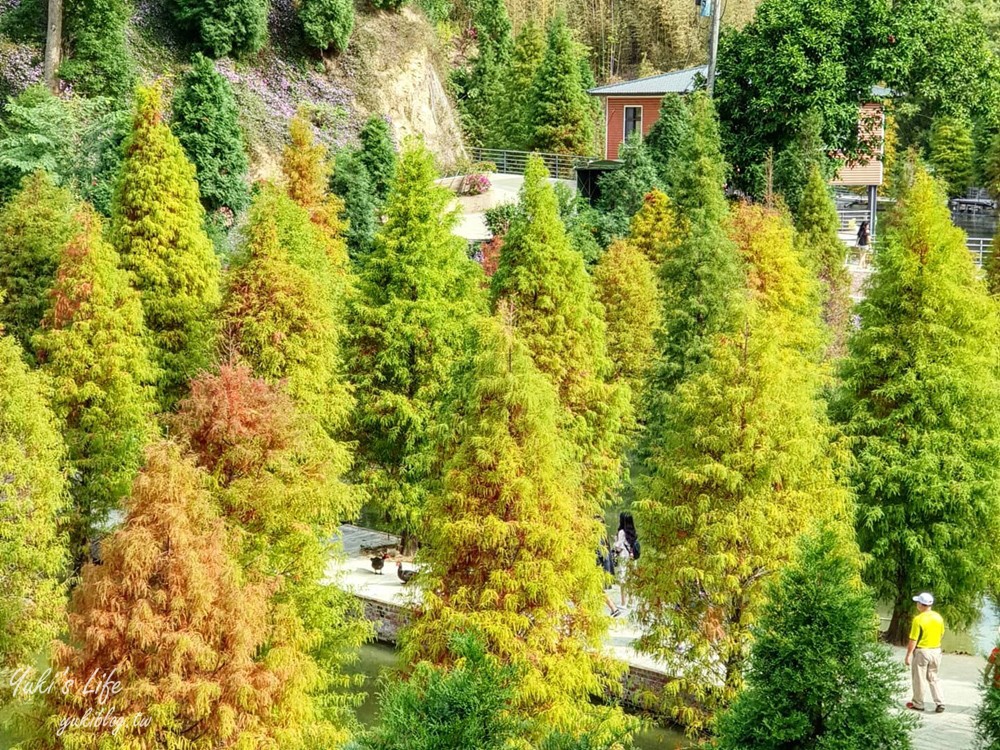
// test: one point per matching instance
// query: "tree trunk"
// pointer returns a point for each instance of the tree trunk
(899, 626)
(53, 45)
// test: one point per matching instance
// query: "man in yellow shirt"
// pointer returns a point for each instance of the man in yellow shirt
(924, 650)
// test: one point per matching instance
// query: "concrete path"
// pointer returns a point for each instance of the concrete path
(960, 674)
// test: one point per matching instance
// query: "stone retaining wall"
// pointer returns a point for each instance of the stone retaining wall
(640, 687)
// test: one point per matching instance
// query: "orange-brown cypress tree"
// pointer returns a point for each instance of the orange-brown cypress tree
(168, 617)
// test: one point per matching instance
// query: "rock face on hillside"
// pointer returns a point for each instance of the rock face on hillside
(397, 70)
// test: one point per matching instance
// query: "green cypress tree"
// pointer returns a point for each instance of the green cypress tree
(510, 500)
(560, 320)
(482, 85)
(93, 349)
(952, 153)
(327, 23)
(378, 154)
(353, 184)
(561, 118)
(526, 58)
(32, 500)
(740, 467)
(794, 164)
(225, 27)
(278, 314)
(655, 229)
(34, 226)
(157, 227)
(624, 190)
(666, 136)
(700, 276)
(36, 133)
(207, 125)
(100, 63)
(627, 287)
(417, 292)
(825, 253)
(919, 403)
(818, 676)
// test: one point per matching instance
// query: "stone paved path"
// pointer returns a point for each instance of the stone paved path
(954, 729)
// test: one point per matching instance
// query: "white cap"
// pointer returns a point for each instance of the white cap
(925, 598)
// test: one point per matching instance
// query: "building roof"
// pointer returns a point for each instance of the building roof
(677, 82)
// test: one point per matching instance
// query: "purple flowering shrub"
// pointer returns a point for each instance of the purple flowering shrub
(475, 184)
(20, 66)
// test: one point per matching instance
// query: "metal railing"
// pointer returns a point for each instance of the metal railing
(851, 220)
(981, 249)
(561, 166)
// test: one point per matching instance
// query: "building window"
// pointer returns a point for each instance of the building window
(633, 121)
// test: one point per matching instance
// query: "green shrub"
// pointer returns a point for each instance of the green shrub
(225, 27)
(392, 5)
(352, 183)
(104, 128)
(36, 133)
(327, 23)
(98, 63)
(378, 153)
(207, 125)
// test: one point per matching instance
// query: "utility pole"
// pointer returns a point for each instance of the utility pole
(713, 44)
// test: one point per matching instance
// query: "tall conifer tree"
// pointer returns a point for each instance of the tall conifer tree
(557, 315)
(378, 153)
(825, 254)
(93, 348)
(623, 190)
(510, 501)
(32, 499)
(157, 227)
(671, 129)
(168, 579)
(920, 403)
(34, 226)
(526, 58)
(742, 465)
(655, 229)
(417, 292)
(562, 121)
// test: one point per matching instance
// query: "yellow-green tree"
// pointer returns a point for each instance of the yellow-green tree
(626, 285)
(157, 225)
(92, 347)
(743, 464)
(507, 552)
(557, 315)
(655, 229)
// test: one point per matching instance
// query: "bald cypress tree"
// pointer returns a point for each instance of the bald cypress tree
(93, 348)
(510, 501)
(557, 315)
(655, 229)
(409, 324)
(157, 227)
(527, 55)
(168, 578)
(920, 404)
(825, 253)
(561, 117)
(32, 499)
(34, 226)
(668, 133)
(741, 466)
(378, 154)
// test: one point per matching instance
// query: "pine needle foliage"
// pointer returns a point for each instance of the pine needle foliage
(920, 405)
(627, 287)
(157, 227)
(655, 229)
(952, 153)
(508, 553)
(526, 58)
(34, 226)
(100, 63)
(168, 579)
(825, 253)
(561, 116)
(92, 347)
(624, 190)
(32, 500)
(237, 28)
(303, 163)
(409, 324)
(378, 154)
(671, 129)
(278, 481)
(556, 313)
(353, 184)
(278, 314)
(206, 122)
(818, 676)
(742, 465)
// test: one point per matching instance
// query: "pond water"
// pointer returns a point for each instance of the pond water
(376, 658)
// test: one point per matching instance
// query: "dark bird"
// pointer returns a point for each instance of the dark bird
(378, 562)
(404, 575)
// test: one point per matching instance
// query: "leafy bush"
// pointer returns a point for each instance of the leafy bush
(206, 123)
(99, 63)
(225, 27)
(104, 128)
(327, 23)
(474, 184)
(36, 134)
(499, 217)
(392, 5)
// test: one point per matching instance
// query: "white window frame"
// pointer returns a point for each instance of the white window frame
(638, 129)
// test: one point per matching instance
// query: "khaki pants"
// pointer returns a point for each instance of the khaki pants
(925, 669)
